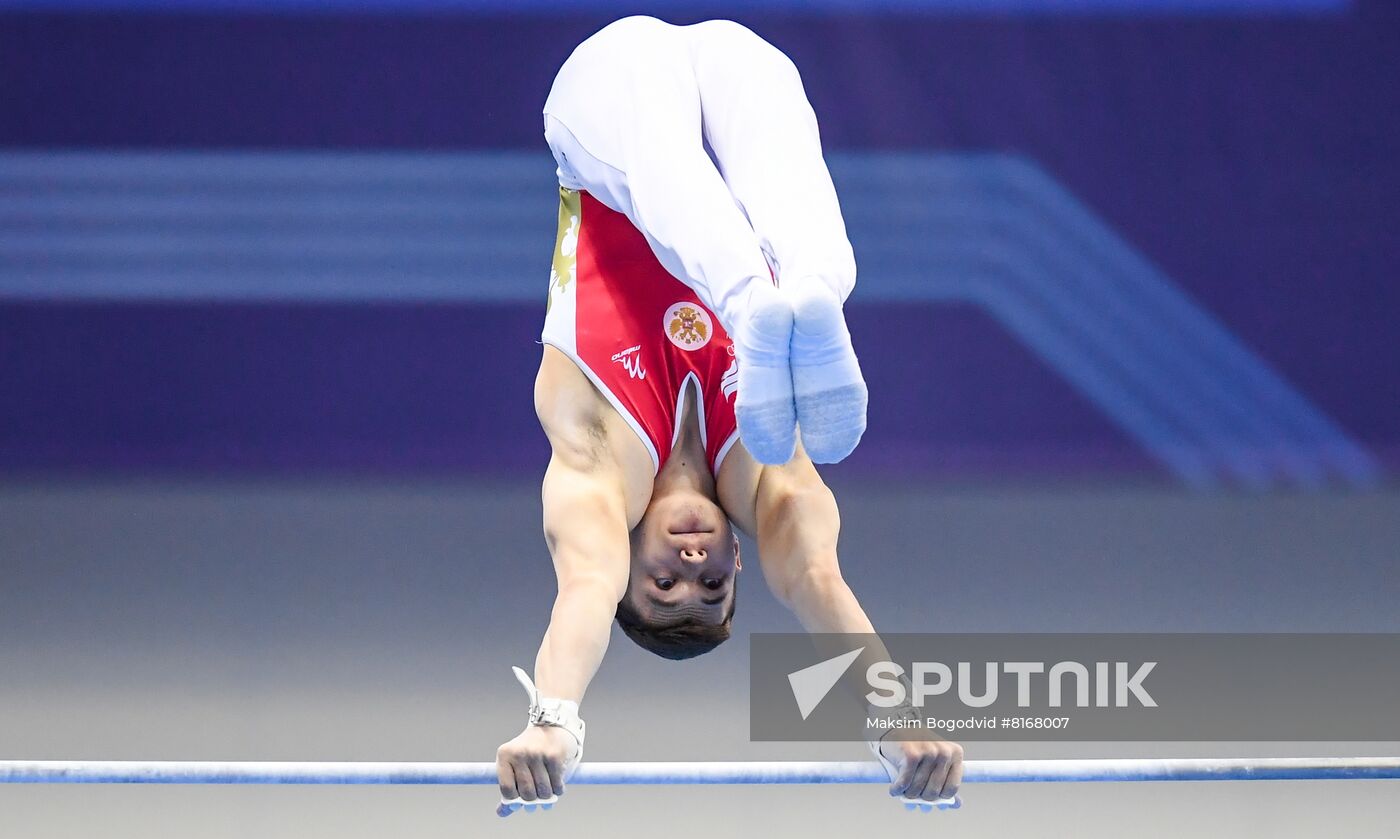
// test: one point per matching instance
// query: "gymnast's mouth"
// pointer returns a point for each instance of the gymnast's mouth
(689, 522)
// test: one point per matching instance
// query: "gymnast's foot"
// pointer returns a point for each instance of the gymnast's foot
(829, 390)
(764, 406)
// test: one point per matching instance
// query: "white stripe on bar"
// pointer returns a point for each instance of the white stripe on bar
(719, 772)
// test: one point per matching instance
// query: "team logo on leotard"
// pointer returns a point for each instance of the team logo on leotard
(631, 361)
(688, 326)
(729, 382)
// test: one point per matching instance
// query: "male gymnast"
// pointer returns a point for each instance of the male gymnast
(694, 331)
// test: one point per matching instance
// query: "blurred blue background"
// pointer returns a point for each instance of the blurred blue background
(1156, 241)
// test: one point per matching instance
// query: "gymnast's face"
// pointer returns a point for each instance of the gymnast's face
(684, 560)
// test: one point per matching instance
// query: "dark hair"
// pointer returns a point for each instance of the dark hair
(678, 640)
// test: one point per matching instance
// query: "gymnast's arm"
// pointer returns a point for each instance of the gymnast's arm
(586, 528)
(795, 519)
(587, 536)
(796, 522)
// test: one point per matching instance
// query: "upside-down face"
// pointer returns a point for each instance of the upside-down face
(684, 561)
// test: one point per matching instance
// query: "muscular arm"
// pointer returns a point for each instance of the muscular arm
(798, 525)
(594, 490)
(594, 487)
(585, 527)
(796, 522)
(792, 514)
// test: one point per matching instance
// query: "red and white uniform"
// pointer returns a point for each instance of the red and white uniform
(660, 246)
(642, 336)
(629, 119)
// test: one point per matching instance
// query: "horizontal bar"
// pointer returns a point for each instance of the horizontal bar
(719, 772)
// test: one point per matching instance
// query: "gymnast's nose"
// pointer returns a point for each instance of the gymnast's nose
(693, 554)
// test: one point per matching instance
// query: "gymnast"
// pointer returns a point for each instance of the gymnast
(693, 333)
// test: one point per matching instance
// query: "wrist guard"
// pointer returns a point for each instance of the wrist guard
(558, 713)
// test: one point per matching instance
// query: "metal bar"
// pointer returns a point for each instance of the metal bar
(718, 772)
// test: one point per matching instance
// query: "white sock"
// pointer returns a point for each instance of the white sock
(828, 388)
(764, 405)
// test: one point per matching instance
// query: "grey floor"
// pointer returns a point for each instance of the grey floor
(377, 621)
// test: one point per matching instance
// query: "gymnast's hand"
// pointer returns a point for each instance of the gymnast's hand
(531, 768)
(924, 773)
(534, 766)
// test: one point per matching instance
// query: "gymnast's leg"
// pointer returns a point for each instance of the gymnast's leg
(764, 135)
(624, 122)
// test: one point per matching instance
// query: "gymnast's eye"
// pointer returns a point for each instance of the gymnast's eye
(713, 584)
(665, 584)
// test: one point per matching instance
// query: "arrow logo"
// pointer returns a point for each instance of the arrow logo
(810, 685)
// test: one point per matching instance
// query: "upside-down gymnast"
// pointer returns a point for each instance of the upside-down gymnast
(694, 331)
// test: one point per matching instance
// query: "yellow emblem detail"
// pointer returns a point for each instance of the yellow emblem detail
(687, 326)
(565, 268)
